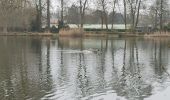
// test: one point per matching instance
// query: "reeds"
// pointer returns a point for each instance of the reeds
(77, 32)
(158, 34)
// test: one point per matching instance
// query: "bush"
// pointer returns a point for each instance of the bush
(167, 27)
(54, 29)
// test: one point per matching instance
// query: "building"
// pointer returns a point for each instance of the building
(99, 26)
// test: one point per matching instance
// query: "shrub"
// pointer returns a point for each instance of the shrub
(54, 29)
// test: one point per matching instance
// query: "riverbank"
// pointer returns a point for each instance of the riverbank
(26, 34)
(158, 34)
(80, 33)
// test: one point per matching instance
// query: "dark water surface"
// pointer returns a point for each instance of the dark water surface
(34, 68)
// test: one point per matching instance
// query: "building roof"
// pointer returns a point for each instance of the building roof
(99, 26)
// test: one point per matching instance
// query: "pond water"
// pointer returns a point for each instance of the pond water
(45, 68)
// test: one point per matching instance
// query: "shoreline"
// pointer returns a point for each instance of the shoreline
(26, 34)
(158, 34)
(91, 34)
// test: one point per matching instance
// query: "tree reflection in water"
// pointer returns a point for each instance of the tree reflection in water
(39, 68)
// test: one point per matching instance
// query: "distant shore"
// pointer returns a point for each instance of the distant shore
(158, 34)
(25, 34)
(127, 34)
(89, 34)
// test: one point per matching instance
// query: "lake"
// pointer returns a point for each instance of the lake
(53, 68)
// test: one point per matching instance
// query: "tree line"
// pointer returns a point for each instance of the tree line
(24, 15)
(153, 13)
(31, 15)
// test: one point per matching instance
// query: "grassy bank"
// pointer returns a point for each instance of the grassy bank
(82, 33)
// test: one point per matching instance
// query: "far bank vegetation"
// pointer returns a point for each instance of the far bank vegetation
(41, 16)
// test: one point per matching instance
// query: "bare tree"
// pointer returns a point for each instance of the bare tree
(15, 15)
(135, 6)
(62, 10)
(160, 10)
(39, 8)
(163, 12)
(154, 10)
(83, 6)
(40, 15)
(73, 14)
(48, 15)
(6, 10)
(113, 11)
(125, 14)
(103, 6)
(161, 15)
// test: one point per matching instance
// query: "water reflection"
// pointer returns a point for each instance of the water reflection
(88, 68)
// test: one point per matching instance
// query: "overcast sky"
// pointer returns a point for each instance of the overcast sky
(56, 4)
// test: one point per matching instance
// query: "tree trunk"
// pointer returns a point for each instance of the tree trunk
(132, 11)
(104, 13)
(81, 7)
(156, 18)
(82, 21)
(48, 15)
(137, 18)
(114, 4)
(102, 22)
(62, 10)
(112, 20)
(106, 21)
(40, 15)
(82, 11)
(125, 20)
(37, 18)
(161, 16)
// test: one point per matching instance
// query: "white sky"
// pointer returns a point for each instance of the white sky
(56, 4)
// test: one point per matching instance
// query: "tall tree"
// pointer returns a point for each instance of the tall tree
(154, 10)
(113, 11)
(73, 14)
(83, 6)
(15, 15)
(135, 6)
(161, 15)
(62, 10)
(103, 6)
(48, 15)
(125, 14)
(38, 14)
(160, 10)
(138, 11)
